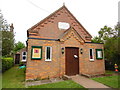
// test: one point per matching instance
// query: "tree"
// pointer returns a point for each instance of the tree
(96, 39)
(18, 46)
(3, 23)
(7, 43)
(105, 33)
(7, 36)
(111, 39)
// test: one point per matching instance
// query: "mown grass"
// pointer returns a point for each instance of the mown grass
(13, 78)
(62, 84)
(111, 81)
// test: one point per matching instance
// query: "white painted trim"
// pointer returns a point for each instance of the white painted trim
(92, 54)
(50, 53)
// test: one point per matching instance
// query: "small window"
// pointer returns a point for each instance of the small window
(91, 55)
(99, 54)
(48, 55)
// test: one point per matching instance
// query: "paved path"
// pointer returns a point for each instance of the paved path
(87, 83)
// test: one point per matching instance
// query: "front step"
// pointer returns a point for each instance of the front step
(66, 77)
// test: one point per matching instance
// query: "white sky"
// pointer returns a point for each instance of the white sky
(92, 14)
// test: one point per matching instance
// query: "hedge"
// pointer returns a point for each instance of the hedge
(7, 63)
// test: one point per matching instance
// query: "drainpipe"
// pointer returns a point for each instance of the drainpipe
(59, 47)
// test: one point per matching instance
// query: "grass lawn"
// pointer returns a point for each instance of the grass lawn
(111, 81)
(62, 84)
(13, 78)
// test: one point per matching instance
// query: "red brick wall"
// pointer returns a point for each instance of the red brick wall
(91, 67)
(42, 68)
(56, 67)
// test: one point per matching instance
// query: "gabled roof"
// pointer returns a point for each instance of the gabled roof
(42, 21)
(73, 32)
(30, 30)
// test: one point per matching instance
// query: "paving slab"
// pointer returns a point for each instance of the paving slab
(87, 83)
(52, 80)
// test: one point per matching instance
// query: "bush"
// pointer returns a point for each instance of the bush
(7, 63)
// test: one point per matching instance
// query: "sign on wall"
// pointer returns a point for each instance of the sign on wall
(36, 52)
(63, 25)
(99, 54)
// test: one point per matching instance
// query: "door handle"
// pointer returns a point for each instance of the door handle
(75, 56)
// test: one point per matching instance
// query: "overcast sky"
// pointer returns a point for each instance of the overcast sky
(92, 14)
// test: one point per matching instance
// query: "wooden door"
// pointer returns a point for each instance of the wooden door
(17, 58)
(72, 60)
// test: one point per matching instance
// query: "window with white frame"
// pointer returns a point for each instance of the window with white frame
(24, 56)
(48, 53)
(91, 54)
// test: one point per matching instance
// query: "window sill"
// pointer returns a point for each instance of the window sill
(23, 60)
(99, 58)
(91, 60)
(48, 60)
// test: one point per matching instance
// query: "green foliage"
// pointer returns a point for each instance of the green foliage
(7, 36)
(7, 43)
(7, 63)
(3, 23)
(18, 46)
(111, 39)
(111, 50)
(97, 40)
(105, 33)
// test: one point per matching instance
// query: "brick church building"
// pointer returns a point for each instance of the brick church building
(59, 45)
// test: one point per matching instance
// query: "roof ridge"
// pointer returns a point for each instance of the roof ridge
(77, 21)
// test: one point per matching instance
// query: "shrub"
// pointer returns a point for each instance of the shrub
(7, 63)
